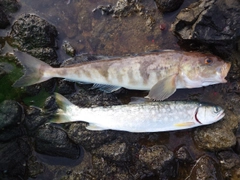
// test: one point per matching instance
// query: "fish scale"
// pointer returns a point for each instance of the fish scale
(161, 73)
(143, 117)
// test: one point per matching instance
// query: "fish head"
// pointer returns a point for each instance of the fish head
(207, 114)
(198, 69)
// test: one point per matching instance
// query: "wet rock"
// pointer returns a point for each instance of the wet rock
(214, 138)
(10, 113)
(125, 8)
(53, 141)
(236, 174)
(89, 139)
(10, 5)
(6, 7)
(183, 155)
(168, 5)
(150, 22)
(31, 33)
(115, 151)
(229, 162)
(205, 168)
(106, 170)
(200, 23)
(66, 87)
(11, 133)
(68, 48)
(13, 159)
(159, 158)
(34, 118)
(34, 167)
(4, 22)
(105, 10)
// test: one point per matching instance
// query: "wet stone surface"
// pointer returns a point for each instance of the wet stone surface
(10, 113)
(34, 35)
(30, 148)
(160, 159)
(192, 23)
(168, 5)
(205, 168)
(54, 141)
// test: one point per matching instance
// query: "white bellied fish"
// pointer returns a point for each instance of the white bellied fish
(161, 73)
(142, 117)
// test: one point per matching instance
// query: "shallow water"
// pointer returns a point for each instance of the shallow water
(94, 33)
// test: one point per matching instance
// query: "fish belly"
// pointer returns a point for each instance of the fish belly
(150, 118)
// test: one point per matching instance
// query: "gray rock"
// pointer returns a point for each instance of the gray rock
(35, 35)
(11, 133)
(213, 139)
(89, 139)
(204, 169)
(10, 113)
(228, 159)
(183, 155)
(4, 22)
(168, 5)
(53, 141)
(68, 48)
(114, 151)
(34, 118)
(13, 159)
(209, 22)
(125, 8)
(159, 158)
(10, 5)
(34, 167)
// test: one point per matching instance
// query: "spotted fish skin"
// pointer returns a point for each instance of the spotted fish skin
(142, 117)
(161, 73)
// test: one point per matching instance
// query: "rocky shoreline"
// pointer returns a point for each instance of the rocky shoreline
(30, 148)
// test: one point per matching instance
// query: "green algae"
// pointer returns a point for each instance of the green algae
(10, 71)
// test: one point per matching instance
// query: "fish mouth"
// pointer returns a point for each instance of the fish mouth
(224, 71)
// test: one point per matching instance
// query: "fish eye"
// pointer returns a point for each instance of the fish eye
(216, 109)
(208, 61)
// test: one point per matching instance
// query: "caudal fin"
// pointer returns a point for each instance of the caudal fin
(34, 70)
(62, 115)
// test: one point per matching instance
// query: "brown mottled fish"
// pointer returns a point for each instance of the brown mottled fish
(161, 73)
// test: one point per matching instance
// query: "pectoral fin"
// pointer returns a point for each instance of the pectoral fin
(184, 124)
(94, 127)
(163, 89)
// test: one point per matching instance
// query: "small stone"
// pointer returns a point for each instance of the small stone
(168, 5)
(116, 151)
(30, 31)
(159, 158)
(183, 155)
(53, 141)
(218, 139)
(10, 113)
(68, 48)
(205, 168)
(228, 159)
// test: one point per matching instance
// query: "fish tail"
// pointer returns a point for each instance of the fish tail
(62, 115)
(34, 70)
